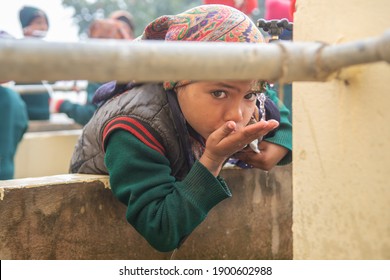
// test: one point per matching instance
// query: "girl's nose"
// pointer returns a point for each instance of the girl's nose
(234, 113)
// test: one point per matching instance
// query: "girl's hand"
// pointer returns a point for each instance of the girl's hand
(270, 154)
(229, 139)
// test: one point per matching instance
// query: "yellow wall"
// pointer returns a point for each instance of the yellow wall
(45, 153)
(341, 138)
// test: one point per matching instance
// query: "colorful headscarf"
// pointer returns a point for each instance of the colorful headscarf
(214, 23)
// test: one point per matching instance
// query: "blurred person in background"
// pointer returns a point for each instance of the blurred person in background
(35, 24)
(13, 125)
(119, 25)
(126, 20)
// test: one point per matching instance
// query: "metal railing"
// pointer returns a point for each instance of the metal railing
(39, 88)
(105, 60)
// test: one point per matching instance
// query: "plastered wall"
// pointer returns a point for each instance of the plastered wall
(76, 216)
(341, 138)
(45, 153)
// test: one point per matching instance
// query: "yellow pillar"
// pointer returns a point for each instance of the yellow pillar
(341, 138)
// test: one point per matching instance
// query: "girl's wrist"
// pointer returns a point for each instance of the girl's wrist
(214, 166)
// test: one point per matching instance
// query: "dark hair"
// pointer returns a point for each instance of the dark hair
(127, 21)
(125, 17)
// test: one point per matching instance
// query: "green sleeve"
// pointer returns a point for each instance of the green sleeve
(13, 125)
(283, 135)
(81, 113)
(163, 210)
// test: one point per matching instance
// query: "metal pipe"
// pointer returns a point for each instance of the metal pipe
(31, 89)
(105, 60)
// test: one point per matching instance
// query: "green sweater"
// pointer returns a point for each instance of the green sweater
(163, 210)
(283, 137)
(37, 104)
(13, 125)
(81, 113)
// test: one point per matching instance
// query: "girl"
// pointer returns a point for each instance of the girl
(164, 144)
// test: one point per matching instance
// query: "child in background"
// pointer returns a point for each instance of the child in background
(119, 25)
(34, 21)
(35, 25)
(164, 144)
(13, 125)
(126, 20)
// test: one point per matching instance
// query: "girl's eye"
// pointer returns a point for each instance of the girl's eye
(251, 96)
(219, 94)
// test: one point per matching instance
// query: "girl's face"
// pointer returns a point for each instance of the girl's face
(37, 28)
(208, 105)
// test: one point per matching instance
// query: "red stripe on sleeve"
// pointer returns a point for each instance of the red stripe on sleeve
(146, 132)
(120, 123)
(136, 134)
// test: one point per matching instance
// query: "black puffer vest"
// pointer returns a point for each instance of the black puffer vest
(149, 104)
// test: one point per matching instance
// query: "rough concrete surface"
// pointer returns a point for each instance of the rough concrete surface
(80, 219)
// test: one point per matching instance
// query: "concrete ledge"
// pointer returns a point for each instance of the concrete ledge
(77, 217)
(40, 126)
(58, 121)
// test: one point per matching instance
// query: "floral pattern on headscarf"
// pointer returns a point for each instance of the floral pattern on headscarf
(214, 23)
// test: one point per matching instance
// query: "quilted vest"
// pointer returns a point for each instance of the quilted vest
(149, 104)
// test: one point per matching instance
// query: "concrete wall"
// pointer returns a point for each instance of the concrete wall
(77, 217)
(45, 153)
(47, 147)
(341, 140)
